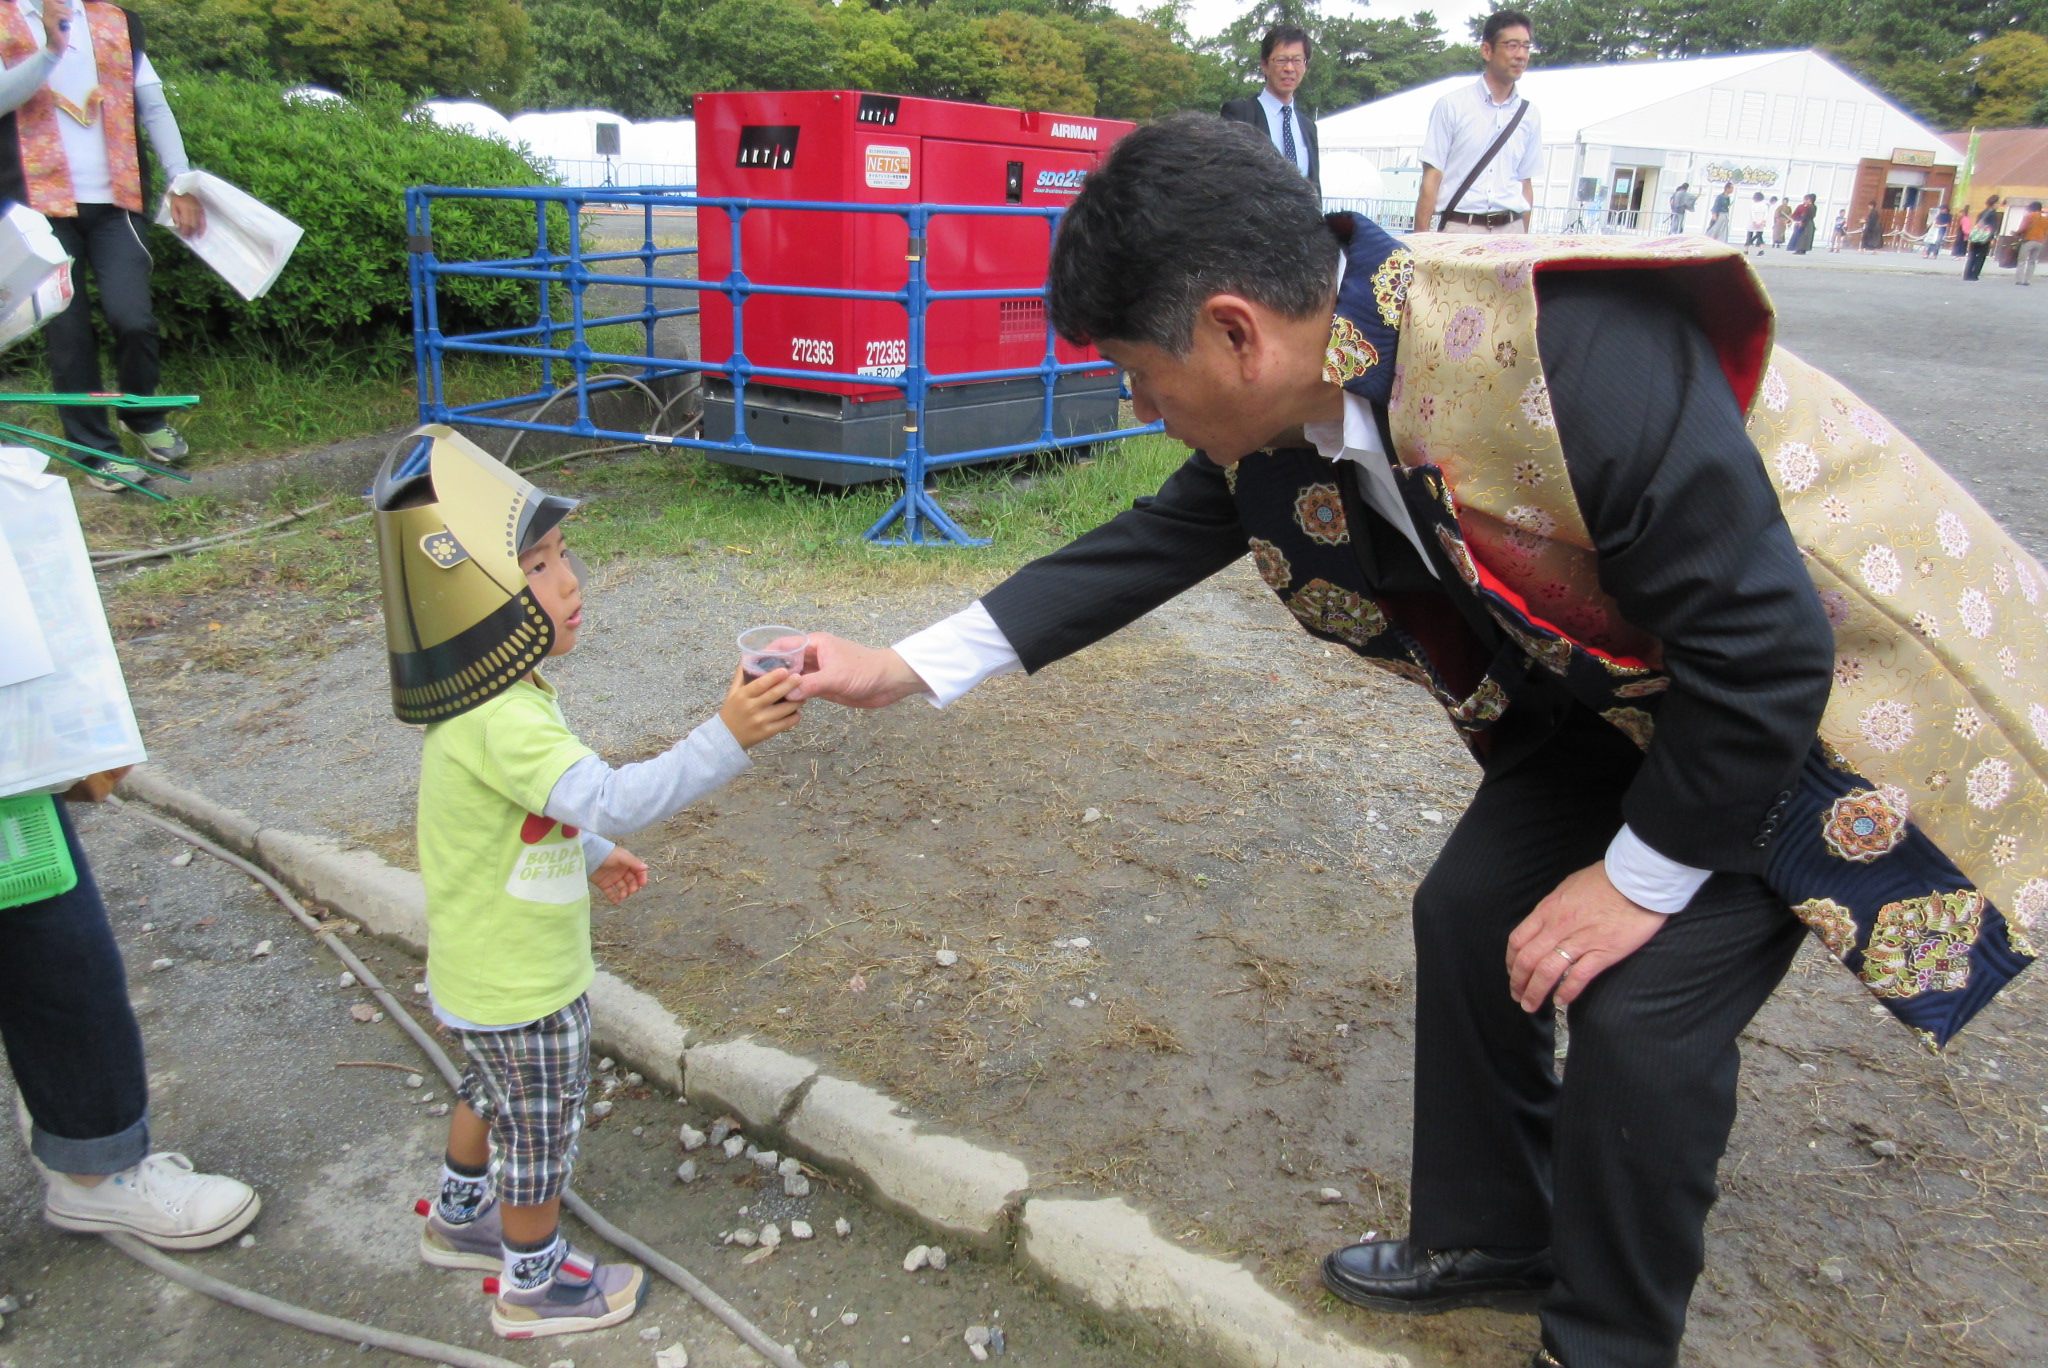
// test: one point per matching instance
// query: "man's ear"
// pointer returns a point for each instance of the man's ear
(1239, 325)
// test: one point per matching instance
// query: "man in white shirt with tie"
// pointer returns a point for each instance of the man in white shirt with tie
(1283, 61)
(1464, 129)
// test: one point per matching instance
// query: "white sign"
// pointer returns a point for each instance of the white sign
(888, 167)
(1085, 132)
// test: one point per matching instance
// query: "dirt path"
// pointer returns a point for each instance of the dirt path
(243, 1055)
(1201, 993)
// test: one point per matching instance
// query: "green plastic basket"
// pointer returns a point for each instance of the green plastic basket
(35, 862)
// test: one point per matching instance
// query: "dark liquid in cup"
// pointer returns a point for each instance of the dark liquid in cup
(768, 665)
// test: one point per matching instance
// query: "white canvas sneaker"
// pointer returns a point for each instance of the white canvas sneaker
(161, 1200)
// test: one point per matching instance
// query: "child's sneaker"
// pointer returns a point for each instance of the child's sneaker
(163, 445)
(582, 1295)
(477, 1244)
(160, 1200)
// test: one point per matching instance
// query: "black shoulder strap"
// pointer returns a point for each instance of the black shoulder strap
(1485, 160)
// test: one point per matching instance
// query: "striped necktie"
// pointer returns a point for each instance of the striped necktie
(1287, 134)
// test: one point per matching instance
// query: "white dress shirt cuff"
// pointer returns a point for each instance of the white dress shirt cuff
(954, 655)
(1649, 879)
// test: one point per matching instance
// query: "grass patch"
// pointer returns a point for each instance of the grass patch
(253, 406)
(659, 504)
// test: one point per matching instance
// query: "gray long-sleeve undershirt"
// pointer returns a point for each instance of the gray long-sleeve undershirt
(608, 803)
(152, 110)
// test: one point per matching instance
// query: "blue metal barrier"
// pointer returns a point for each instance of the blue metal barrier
(552, 341)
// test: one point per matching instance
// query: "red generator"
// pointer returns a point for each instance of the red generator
(845, 147)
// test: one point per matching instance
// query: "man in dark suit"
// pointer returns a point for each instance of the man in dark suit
(1283, 60)
(1614, 874)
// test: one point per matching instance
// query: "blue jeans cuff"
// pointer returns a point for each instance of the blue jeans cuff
(108, 1154)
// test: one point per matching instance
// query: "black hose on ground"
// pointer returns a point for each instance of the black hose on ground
(779, 1355)
(453, 1355)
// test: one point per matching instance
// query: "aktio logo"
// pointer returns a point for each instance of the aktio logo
(1060, 182)
(1085, 132)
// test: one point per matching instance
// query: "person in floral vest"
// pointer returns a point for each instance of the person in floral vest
(1736, 661)
(76, 89)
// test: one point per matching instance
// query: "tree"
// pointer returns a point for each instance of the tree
(1356, 59)
(1922, 53)
(1138, 71)
(462, 48)
(2011, 77)
(605, 56)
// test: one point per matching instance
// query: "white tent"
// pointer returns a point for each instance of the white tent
(1621, 137)
(470, 117)
(656, 152)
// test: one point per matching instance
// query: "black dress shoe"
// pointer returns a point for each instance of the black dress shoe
(1390, 1275)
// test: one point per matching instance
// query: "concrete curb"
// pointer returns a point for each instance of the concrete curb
(1100, 1253)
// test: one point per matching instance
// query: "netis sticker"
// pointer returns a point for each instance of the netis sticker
(888, 167)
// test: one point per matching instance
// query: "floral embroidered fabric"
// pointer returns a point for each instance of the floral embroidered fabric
(43, 164)
(1916, 845)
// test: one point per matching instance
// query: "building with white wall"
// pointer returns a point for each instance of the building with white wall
(1618, 139)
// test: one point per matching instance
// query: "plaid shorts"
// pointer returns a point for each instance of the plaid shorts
(528, 1083)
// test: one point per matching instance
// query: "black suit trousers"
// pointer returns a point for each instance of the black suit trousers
(1613, 1168)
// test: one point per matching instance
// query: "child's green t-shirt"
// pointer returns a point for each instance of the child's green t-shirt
(508, 903)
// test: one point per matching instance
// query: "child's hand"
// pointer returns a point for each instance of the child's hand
(757, 710)
(621, 875)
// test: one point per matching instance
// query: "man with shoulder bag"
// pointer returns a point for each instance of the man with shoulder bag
(1486, 140)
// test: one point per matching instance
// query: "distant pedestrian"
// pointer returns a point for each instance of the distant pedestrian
(1682, 201)
(1961, 242)
(1759, 223)
(1485, 141)
(1781, 219)
(1724, 206)
(2032, 234)
(1802, 225)
(1982, 237)
(1938, 233)
(1873, 228)
(1840, 236)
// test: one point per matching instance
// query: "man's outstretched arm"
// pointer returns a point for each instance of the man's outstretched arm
(1106, 579)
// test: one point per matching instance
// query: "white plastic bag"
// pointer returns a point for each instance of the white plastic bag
(245, 240)
(52, 296)
(35, 273)
(74, 720)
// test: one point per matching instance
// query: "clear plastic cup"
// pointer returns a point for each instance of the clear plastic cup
(767, 649)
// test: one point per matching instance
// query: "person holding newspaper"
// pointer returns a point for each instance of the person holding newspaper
(77, 88)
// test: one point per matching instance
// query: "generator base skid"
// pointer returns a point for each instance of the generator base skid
(969, 417)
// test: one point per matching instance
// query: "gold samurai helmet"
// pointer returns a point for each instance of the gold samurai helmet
(458, 619)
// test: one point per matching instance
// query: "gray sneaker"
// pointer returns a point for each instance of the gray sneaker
(164, 445)
(477, 1244)
(583, 1295)
(107, 484)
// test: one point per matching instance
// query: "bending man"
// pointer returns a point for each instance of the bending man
(1550, 514)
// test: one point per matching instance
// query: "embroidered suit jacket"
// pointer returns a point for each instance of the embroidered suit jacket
(1692, 544)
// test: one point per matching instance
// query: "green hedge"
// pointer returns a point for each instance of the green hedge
(340, 171)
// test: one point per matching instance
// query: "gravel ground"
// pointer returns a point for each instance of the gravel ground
(1200, 992)
(243, 1057)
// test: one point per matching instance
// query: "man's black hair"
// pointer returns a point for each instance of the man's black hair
(1281, 34)
(1504, 19)
(1181, 210)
